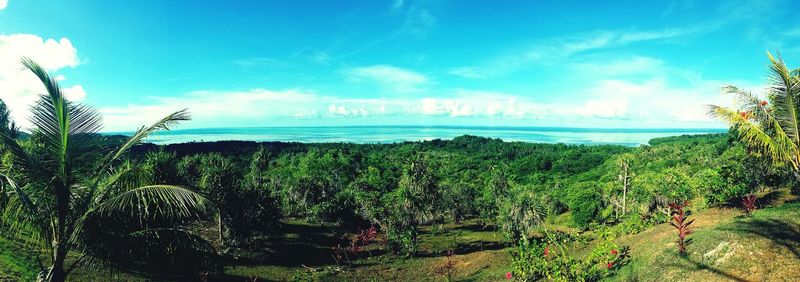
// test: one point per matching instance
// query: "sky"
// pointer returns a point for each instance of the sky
(606, 64)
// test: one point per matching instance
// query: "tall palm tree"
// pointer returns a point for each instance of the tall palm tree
(770, 126)
(60, 190)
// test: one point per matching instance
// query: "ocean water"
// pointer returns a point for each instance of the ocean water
(392, 134)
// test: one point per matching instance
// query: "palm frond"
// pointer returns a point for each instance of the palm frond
(779, 148)
(21, 214)
(181, 250)
(745, 99)
(125, 177)
(20, 159)
(50, 83)
(783, 88)
(163, 202)
(50, 115)
(164, 124)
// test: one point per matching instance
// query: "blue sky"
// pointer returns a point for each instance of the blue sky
(626, 64)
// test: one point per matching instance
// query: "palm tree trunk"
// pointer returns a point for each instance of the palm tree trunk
(219, 229)
(60, 249)
(56, 272)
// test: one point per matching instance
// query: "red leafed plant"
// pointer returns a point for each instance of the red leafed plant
(681, 223)
(448, 269)
(363, 239)
(749, 204)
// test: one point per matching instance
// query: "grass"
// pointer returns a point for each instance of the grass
(480, 255)
(16, 262)
(727, 246)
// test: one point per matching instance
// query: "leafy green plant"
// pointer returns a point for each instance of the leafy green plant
(416, 201)
(520, 214)
(548, 259)
(585, 203)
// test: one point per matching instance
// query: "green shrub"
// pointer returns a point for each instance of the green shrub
(520, 213)
(585, 203)
(547, 259)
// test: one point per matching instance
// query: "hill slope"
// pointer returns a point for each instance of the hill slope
(726, 247)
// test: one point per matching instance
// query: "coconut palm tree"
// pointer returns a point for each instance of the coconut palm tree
(772, 126)
(66, 182)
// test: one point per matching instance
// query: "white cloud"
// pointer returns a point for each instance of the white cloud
(19, 89)
(395, 79)
(603, 103)
(74, 93)
(255, 107)
(429, 106)
(3, 4)
(604, 109)
(342, 111)
(451, 107)
(654, 101)
(472, 103)
(211, 108)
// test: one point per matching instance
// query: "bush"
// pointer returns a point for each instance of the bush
(520, 214)
(546, 259)
(585, 203)
(161, 167)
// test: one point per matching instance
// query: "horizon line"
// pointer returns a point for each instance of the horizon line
(480, 127)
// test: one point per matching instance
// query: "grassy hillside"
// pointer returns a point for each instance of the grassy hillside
(727, 246)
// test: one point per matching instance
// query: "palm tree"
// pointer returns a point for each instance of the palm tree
(772, 126)
(65, 183)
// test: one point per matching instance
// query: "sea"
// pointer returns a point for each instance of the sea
(394, 134)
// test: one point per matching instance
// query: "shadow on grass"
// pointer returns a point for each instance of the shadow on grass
(774, 197)
(314, 246)
(473, 228)
(703, 266)
(298, 244)
(463, 249)
(781, 232)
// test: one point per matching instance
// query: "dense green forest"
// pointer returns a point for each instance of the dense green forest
(81, 202)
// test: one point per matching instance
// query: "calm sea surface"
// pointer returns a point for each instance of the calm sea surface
(391, 134)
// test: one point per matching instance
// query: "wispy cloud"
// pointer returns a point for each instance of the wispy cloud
(395, 79)
(561, 50)
(397, 5)
(313, 55)
(3, 4)
(416, 19)
(466, 72)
